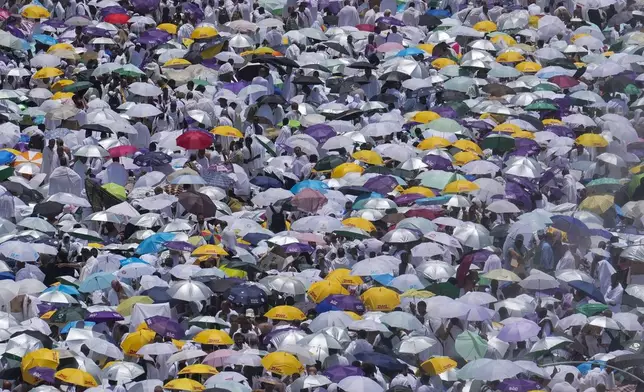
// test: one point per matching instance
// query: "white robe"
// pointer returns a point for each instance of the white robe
(569, 189)
(115, 173)
(348, 16)
(604, 272)
(50, 160)
(613, 298)
(566, 262)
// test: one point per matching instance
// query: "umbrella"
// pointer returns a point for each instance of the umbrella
(588, 289)
(197, 203)
(165, 327)
(470, 346)
(360, 384)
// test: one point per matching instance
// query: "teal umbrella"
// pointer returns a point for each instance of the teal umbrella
(438, 179)
(546, 87)
(76, 87)
(470, 346)
(446, 125)
(542, 104)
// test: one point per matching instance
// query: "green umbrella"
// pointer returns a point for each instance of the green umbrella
(76, 87)
(5, 172)
(498, 142)
(438, 179)
(631, 89)
(447, 289)
(129, 70)
(470, 346)
(353, 233)
(401, 173)
(635, 182)
(116, 190)
(601, 185)
(328, 163)
(546, 87)
(591, 309)
(461, 108)
(66, 315)
(200, 82)
(542, 104)
(267, 144)
(445, 125)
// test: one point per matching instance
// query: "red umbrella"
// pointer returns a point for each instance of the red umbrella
(117, 18)
(564, 81)
(309, 200)
(366, 27)
(195, 140)
(4, 14)
(121, 151)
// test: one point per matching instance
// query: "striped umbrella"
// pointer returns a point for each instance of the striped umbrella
(29, 157)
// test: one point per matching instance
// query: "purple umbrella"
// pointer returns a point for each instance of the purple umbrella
(114, 9)
(515, 194)
(44, 373)
(193, 10)
(525, 183)
(180, 246)
(320, 132)
(154, 37)
(338, 373)
(145, 6)
(165, 327)
(297, 248)
(15, 31)
(519, 331)
(57, 24)
(236, 87)
(560, 130)
(527, 143)
(522, 152)
(389, 20)
(341, 302)
(436, 162)
(95, 31)
(104, 316)
(381, 184)
(480, 125)
(408, 199)
(518, 385)
(446, 111)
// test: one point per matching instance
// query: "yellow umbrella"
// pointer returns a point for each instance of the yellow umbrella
(420, 190)
(43, 357)
(60, 46)
(285, 313)
(637, 169)
(415, 293)
(60, 84)
(502, 275)
(35, 11)
(168, 28)
(184, 384)
(468, 145)
(368, 156)
(485, 26)
(592, 140)
(510, 57)
(226, 130)
(177, 63)
(125, 307)
(598, 204)
(523, 135)
(437, 365)
(318, 291)
(380, 299)
(552, 121)
(259, 51)
(463, 157)
(137, 339)
(442, 62)
(204, 32)
(282, 363)
(429, 48)
(503, 38)
(434, 142)
(47, 72)
(460, 186)
(13, 151)
(344, 277)
(209, 250)
(62, 95)
(95, 245)
(234, 273)
(528, 67)
(346, 168)
(533, 21)
(76, 377)
(213, 337)
(507, 127)
(47, 315)
(425, 116)
(360, 223)
(198, 368)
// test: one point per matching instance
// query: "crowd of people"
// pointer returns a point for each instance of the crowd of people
(321, 196)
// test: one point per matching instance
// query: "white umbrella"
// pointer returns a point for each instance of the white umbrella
(568, 275)
(37, 224)
(135, 270)
(157, 349)
(285, 284)
(445, 307)
(122, 371)
(539, 281)
(69, 199)
(486, 369)
(19, 251)
(145, 89)
(271, 196)
(574, 320)
(628, 321)
(474, 235)
(359, 384)
(402, 320)
(604, 322)
(477, 298)
(186, 355)
(368, 325)
(503, 207)
(401, 236)
(104, 347)
(143, 110)
(188, 290)
(435, 270)
(91, 151)
(415, 345)
(333, 318)
(548, 343)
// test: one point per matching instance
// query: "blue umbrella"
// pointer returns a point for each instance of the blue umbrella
(97, 281)
(439, 13)
(7, 276)
(340, 302)
(311, 184)
(63, 288)
(158, 294)
(77, 324)
(246, 295)
(45, 39)
(575, 228)
(154, 243)
(410, 52)
(338, 373)
(383, 279)
(6, 157)
(384, 362)
(132, 260)
(266, 182)
(589, 289)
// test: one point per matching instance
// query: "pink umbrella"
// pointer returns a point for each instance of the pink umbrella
(390, 47)
(309, 200)
(218, 357)
(121, 151)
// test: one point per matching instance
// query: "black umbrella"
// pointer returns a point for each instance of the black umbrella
(348, 115)
(562, 62)
(362, 65)
(626, 361)
(44, 339)
(428, 20)
(271, 99)
(307, 80)
(197, 203)
(240, 265)
(250, 71)
(99, 198)
(152, 158)
(10, 373)
(497, 90)
(221, 285)
(534, 121)
(276, 61)
(390, 171)
(317, 67)
(385, 98)
(22, 192)
(451, 95)
(97, 128)
(66, 315)
(394, 76)
(338, 47)
(158, 294)
(48, 209)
